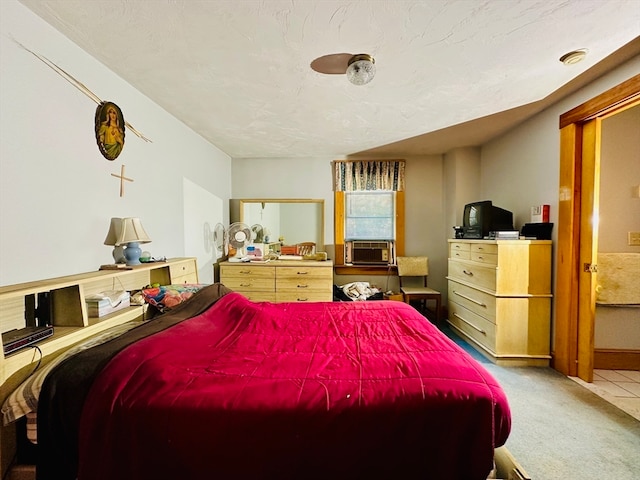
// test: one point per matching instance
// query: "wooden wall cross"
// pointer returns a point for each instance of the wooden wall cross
(122, 179)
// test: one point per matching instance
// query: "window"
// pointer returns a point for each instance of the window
(368, 205)
(340, 225)
(370, 215)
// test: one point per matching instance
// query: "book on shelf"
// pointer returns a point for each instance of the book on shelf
(103, 303)
(115, 266)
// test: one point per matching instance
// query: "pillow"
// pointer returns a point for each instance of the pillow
(165, 297)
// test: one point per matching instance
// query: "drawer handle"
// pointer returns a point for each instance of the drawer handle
(245, 285)
(470, 299)
(456, 246)
(302, 299)
(303, 286)
(470, 324)
(480, 257)
(245, 272)
(303, 273)
(467, 273)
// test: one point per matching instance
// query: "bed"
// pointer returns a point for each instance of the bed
(221, 387)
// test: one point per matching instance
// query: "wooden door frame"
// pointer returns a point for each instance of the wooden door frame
(573, 348)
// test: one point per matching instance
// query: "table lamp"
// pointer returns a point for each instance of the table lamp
(126, 235)
(132, 235)
(112, 239)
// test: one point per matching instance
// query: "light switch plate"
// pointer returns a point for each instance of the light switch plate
(634, 239)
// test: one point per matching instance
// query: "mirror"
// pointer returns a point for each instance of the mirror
(296, 220)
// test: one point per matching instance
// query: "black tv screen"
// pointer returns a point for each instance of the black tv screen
(480, 218)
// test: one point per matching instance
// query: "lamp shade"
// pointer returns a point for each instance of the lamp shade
(131, 231)
(361, 69)
(115, 227)
(132, 235)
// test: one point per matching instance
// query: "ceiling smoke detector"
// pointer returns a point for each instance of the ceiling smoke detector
(573, 57)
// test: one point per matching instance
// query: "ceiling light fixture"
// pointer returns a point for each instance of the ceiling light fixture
(361, 69)
(573, 57)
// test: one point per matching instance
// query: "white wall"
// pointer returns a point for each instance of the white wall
(521, 168)
(56, 190)
(426, 232)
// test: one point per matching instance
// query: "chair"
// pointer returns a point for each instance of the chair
(417, 267)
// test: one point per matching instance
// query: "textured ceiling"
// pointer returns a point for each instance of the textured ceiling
(449, 73)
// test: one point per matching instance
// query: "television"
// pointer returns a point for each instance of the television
(480, 218)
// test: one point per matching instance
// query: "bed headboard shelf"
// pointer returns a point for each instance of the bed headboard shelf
(69, 315)
(70, 319)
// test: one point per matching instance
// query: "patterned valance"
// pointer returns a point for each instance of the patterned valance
(359, 175)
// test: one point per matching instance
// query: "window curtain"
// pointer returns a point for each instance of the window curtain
(357, 175)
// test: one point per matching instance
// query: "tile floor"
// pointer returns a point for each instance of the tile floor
(619, 387)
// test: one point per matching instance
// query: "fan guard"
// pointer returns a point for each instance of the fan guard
(239, 236)
(219, 239)
(257, 233)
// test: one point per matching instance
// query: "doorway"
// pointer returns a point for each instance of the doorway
(580, 136)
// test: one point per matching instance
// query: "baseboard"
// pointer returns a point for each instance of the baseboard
(613, 359)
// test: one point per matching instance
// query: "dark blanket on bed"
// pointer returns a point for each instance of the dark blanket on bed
(292, 390)
(64, 390)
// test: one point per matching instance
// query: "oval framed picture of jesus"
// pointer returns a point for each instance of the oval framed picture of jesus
(109, 130)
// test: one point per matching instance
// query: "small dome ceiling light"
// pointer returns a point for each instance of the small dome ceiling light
(573, 57)
(361, 69)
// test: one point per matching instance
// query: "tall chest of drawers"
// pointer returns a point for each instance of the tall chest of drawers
(280, 280)
(499, 298)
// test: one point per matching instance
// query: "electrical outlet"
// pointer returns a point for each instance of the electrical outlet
(634, 239)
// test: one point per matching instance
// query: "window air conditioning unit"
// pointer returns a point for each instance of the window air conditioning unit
(365, 252)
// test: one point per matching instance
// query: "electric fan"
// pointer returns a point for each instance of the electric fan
(219, 240)
(257, 233)
(238, 237)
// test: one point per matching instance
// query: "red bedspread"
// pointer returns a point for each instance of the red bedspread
(294, 390)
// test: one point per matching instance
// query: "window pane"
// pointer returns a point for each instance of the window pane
(370, 216)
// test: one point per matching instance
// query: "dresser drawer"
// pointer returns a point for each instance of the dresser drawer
(488, 258)
(319, 273)
(459, 250)
(304, 296)
(303, 284)
(242, 284)
(183, 272)
(247, 271)
(474, 273)
(491, 248)
(473, 325)
(480, 303)
(460, 254)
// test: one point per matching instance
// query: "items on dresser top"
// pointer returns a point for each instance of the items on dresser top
(500, 298)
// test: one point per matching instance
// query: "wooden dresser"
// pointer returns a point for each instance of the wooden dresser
(280, 280)
(499, 297)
